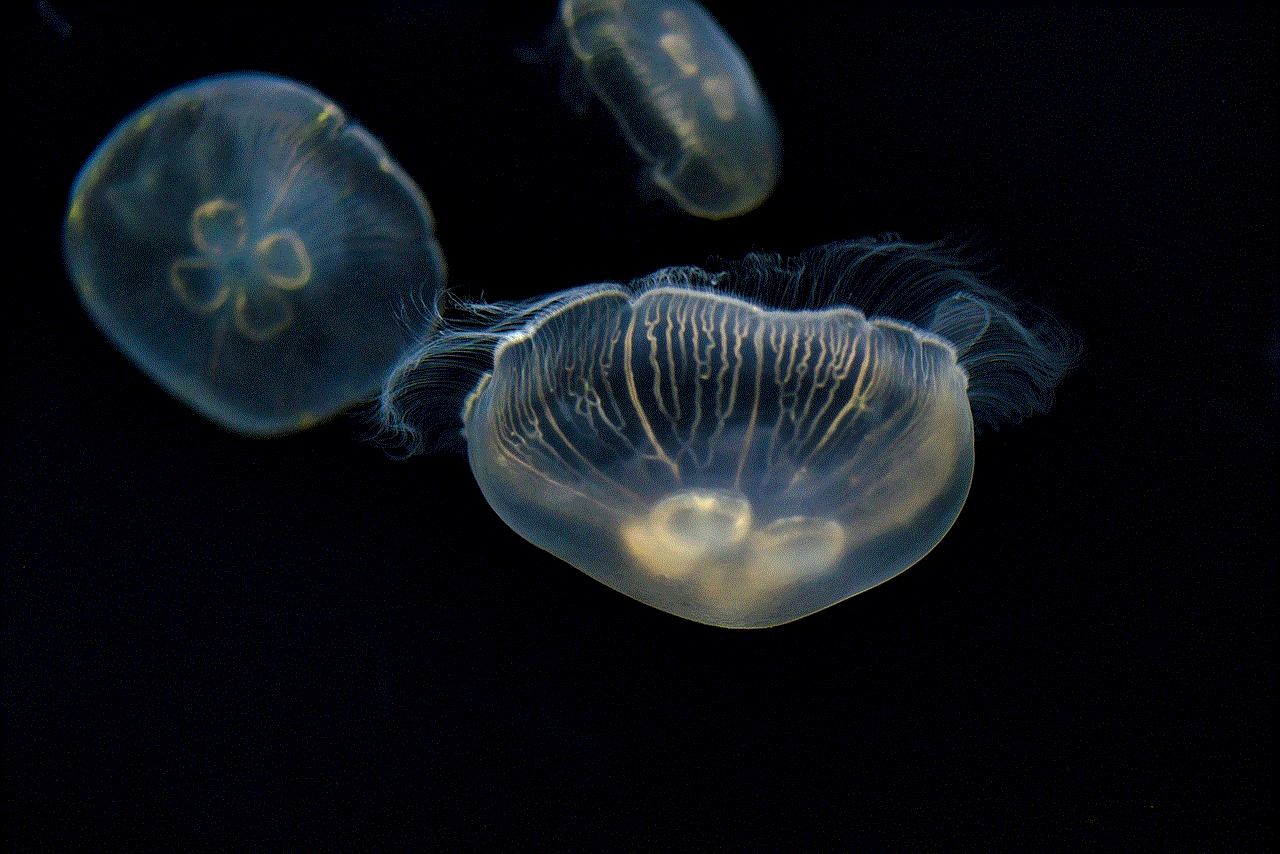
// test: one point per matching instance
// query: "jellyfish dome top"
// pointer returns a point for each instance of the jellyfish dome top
(253, 251)
(740, 448)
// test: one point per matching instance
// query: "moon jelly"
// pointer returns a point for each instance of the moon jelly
(252, 251)
(684, 96)
(730, 463)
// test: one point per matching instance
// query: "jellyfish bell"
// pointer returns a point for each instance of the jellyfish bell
(729, 462)
(683, 95)
(253, 251)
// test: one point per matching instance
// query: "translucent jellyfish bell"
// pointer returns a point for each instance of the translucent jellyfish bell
(684, 96)
(252, 251)
(730, 463)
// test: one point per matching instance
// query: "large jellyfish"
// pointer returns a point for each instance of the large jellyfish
(728, 462)
(251, 250)
(684, 96)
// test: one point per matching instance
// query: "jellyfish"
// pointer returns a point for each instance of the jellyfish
(253, 251)
(684, 97)
(728, 460)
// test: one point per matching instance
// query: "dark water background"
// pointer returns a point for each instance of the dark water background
(302, 639)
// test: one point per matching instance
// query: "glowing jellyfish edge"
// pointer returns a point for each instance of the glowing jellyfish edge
(726, 462)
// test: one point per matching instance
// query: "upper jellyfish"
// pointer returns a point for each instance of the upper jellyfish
(684, 96)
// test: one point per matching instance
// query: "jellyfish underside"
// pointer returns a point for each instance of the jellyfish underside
(684, 97)
(252, 251)
(728, 464)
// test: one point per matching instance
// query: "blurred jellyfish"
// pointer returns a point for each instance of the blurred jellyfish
(684, 96)
(252, 251)
(726, 462)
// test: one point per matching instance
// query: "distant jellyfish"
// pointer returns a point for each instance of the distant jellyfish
(684, 96)
(255, 253)
(726, 462)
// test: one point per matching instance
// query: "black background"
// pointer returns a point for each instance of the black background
(303, 639)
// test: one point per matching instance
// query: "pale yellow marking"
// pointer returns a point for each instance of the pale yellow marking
(678, 47)
(707, 542)
(635, 394)
(757, 340)
(299, 249)
(179, 285)
(721, 92)
(208, 211)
